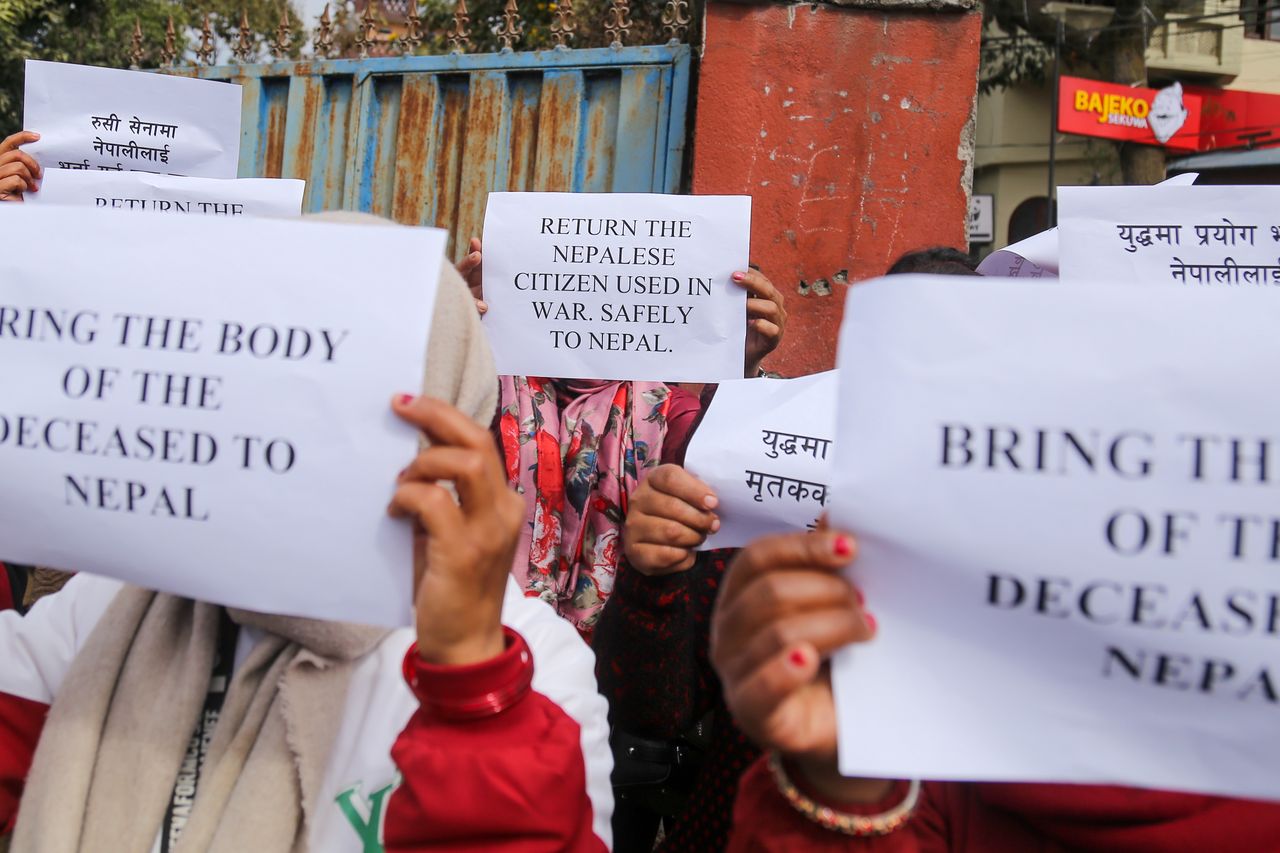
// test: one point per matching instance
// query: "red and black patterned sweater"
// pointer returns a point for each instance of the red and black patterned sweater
(652, 644)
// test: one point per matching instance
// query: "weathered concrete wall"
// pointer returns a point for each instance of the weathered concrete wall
(852, 129)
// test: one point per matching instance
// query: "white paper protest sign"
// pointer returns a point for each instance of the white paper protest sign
(110, 119)
(1065, 500)
(1034, 257)
(171, 194)
(1038, 255)
(212, 423)
(616, 285)
(765, 447)
(1208, 236)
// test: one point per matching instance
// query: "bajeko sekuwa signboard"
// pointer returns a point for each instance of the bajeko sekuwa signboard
(1167, 117)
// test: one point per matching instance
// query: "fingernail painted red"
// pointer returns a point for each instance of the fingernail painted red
(404, 399)
(798, 658)
(738, 276)
(871, 622)
(843, 546)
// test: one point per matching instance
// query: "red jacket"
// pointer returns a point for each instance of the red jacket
(8, 598)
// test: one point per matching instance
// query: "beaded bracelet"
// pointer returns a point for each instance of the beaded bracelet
(828, 818)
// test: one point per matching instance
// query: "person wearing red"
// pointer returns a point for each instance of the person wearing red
(783, 609)
(652, 642)
(577, 449)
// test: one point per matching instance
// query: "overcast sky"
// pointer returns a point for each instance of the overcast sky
(311, 9)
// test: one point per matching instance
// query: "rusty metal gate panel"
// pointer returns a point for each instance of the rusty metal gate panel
(423, 139)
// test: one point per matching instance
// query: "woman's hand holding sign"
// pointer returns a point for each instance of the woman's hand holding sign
(766, 318)
(670, 515)
(464, 551)
(471, 268)
(783, 610)
(19, 171)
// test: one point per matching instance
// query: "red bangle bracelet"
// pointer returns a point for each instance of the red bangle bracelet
(474, 691)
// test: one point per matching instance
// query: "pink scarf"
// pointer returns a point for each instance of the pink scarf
(576, 449)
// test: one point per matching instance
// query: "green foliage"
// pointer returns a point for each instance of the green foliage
(1021, 49)
(100, 32)
(1114, 51)
(20, 22)
(224, 18)
(536, 17)
(1011, 61)
(589, 18)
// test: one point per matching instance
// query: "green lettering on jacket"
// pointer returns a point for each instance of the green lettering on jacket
(365, 816)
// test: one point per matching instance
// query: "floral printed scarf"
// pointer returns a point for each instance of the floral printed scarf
(575, 450)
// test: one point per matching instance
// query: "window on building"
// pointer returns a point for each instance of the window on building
(1261, 19)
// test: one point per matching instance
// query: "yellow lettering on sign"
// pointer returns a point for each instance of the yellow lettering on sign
(1112, 108)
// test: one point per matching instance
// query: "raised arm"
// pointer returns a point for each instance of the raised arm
(489, 762)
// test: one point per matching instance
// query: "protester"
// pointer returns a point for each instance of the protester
(577, 449)
(165, 717)
(784, 609)
(670, 726)
(19, 171)
(652, 646)
(938, 260)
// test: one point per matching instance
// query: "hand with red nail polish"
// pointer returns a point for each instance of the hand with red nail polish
(464, 544)
(784, 608)
(670, 515)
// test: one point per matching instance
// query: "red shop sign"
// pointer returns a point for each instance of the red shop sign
(1167, 117)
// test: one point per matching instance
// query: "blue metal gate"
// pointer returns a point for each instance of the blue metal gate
(423, 139)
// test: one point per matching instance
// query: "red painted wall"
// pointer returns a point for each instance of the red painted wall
(845, 125)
